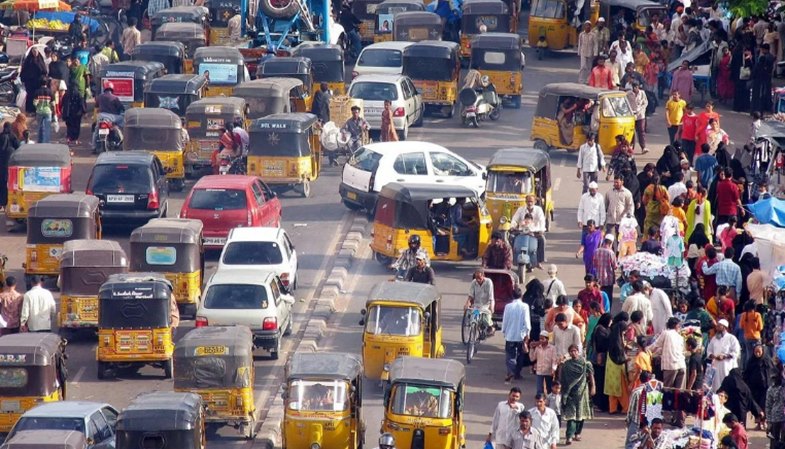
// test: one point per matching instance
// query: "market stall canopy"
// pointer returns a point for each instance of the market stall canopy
(36, 5)
(770, 243)
(769, 211)
(693, 56)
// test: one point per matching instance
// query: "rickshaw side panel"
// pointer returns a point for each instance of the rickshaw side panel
(22, 404)
(222, 403)
(506, 83)
(187, 286)
(558, 32)
(173, 163)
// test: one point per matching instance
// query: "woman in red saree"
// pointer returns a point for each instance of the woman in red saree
(725, 87)
(707, 283)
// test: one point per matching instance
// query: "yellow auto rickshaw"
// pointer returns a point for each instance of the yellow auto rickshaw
(164, 420)
(129, 79)
(493, 15)
(498, 56)
(291, 67)
(403, 210)
(323, 389)
(216, 362)
(206, 120)
(33, 366)
(365, 11)
(84, 266)
(270, 96)
(638, 13)
(170, 54)
(223, 66)
(52, 221)
(400, 318)
(192, 35)
(221, 12)
(513, 174)
(416, 26)
(327, 65)
(189, 14)
(434, 67)
(172, 247)
(137, 314)
(36, 171)
(550, 24)
(385, 15)
(158, 131)
(566, 112)
(174, 92)
(424, 403)
(284, 151)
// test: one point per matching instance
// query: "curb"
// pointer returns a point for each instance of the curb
(270, 433)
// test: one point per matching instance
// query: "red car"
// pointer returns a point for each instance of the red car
(223, 202)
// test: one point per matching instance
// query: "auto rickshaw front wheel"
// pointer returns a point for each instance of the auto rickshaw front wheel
(169, 368)
(516, 101)
(105, 371)
(249, 429)
(541, 145)
(305, 188)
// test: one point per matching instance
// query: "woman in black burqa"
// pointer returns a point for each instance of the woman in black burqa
(33, 71)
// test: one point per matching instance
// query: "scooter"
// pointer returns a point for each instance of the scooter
(475, 106)
(109, 137)
(9, 84)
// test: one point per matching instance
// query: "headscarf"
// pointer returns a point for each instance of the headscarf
(33, 68)
(534, 297)
(698, 236)
(601, 335)
(616, 348)
(759, 371)
(643, 180)
(740, 397)
(669, 161)
(722, 155)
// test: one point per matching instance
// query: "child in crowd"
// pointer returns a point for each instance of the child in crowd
(652, 244)
(547, 305)
(681, 310)
(543, 356)
(628, 236)
(554, 399)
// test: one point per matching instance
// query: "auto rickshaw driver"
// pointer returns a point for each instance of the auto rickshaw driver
(423, 403)
(400, 321)
(320, 397)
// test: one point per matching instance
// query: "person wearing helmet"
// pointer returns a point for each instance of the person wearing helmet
(407, 258)
(420, 272)
(386, 441)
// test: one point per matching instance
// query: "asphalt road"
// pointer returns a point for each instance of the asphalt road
(316, 224)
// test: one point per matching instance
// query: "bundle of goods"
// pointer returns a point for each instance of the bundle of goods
(692, 329)
(653, 267)
(341, 108)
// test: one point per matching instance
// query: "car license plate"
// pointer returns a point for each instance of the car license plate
(373, 111)
(120, 198)
(351, 195)
(214, 241)
(103, 132)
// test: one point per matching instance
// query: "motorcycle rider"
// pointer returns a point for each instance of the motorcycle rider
(420, 272)
(241, 137)
(386, 441)
(407, 258)
(109, 107)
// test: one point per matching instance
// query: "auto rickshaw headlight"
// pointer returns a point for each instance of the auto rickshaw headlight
(316, 446)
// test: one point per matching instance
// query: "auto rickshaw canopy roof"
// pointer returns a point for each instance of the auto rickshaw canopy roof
(160, 48)
(118, 286)
(41, 155)
(65, 205)
(139, 69)
(437, 372)
(222, 106)
(496, 41)
(46, 439)
(409, 5)
(433, 49)
(286, 65)
(180, 31)
(218, 54)
(409, 18)
(169, 230)
(177, 84)
(319, 51)
(30, 348)
(632, 4)
(530, 158)
(93, 253)
(471, 7)
(422, 295)
(574, 90)
(323, 365)
(161, 411)
(158, 118)
(274, 87)
(294, 123)
(192, 14)
(413, 193)
(238, 341)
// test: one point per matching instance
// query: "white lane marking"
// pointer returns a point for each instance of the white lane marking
(78, 375)
(556, 184)
(562, 162)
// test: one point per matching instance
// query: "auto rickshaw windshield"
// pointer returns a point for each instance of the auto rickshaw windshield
(425, 401)
(279, 144)
(615, 107)
(153, 139)
(393, 320)
(510, 182)
(429, 69)
(507, 60)
(211, 372)
(327, 71)
(305, 395)
(548, 9)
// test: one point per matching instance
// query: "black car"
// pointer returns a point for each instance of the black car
(131, 187)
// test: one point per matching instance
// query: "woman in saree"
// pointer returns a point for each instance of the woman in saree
(725, 88)
(657, 203)
(699, 213)
(696, 245)
(642, 363)
(707, 283)
(616, 366)
(590, 241)
(577, 385)
(598, 353)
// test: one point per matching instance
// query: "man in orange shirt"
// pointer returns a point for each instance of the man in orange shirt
(757, 282)
(601, 75)
(752, 323)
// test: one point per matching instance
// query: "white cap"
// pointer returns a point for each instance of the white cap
(601, 19)
(593, 185)
(723, 322)
(544, 333)
(610, 237)
(552, 268)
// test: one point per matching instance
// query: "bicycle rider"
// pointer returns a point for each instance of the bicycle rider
(406, 259)
(481, 297)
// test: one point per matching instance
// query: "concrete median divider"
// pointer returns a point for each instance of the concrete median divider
(319, 312)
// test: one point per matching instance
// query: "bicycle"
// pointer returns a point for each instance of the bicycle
(472, 331)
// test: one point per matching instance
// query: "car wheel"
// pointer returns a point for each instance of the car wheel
(288, 330)
(404, 134)
(274, 353)
(420, 117)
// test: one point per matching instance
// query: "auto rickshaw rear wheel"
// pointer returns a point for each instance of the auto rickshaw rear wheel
(249, 429)
(516, 102)
(305, 189)
(104, 371)
(169, 368)
(449, 111)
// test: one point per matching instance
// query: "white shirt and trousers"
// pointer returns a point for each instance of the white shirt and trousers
(590, 163)
(505, 422)
(38, 307)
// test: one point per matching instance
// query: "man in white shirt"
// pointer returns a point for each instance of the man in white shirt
(723, 351)
(516, 325)
(669, 346)
(505, 419)
(678, 188)
(638, 301)
(661, 308)
(565, 334)
(38, 307)
(544, 419)
(234, 25)
(638, 101)
(591, 207)
(590, 162)
(554, 287)
(618, 204)
(623, 51)
(537, 224)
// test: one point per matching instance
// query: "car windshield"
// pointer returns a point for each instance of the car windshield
(365, 159)
(235, 296)
(384, 320)
(218, 199)
(120, 178)
(416, 400)
(47, 423)
(371, 91)
(322, 396)
(380, 58)
(252, 253)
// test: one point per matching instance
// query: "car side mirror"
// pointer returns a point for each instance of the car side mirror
(484, 176)
(362, 322)
(363, 312)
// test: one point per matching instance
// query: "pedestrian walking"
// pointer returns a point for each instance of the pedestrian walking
(587, 51)
(38, 308)
(44, 110)
(516, 325)
(74, 108)
(505, 419)
(590, 161)
(10, 307)
(543, 354)
(577, 378)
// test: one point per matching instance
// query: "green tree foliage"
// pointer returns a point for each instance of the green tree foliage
(746, 8)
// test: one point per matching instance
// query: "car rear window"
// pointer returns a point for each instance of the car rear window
(236, 296)
(121, 178)
(252, 253)
(380, 58)
(218, 199)
(49, 423)
(365, 159)
(371, 91)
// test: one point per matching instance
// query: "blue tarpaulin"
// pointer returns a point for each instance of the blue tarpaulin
(67, 17)
(769, 211)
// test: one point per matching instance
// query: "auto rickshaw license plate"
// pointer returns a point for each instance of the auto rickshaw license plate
(274, 168)
(210, 350)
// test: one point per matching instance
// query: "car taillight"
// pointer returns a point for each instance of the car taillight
(399, 112)
(105, 125)
(285, 279)
(152, 200)
(270, 324)
(201, 321)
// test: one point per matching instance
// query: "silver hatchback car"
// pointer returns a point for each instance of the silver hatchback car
(96, 420)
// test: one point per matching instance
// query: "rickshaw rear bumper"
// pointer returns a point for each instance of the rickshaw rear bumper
(351, 195)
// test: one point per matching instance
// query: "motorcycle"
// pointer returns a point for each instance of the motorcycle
(9, 84)
(522, 250)
(478, 105)
(231, 165)
(339, 142)
(109, 136)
